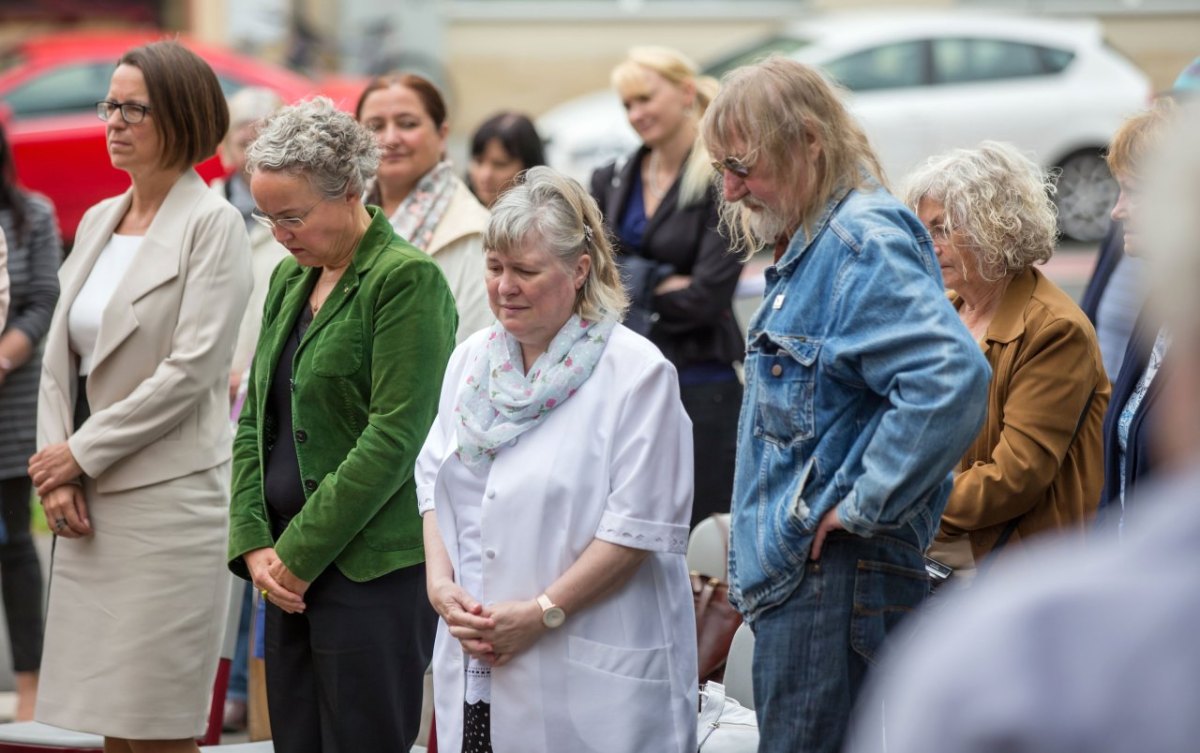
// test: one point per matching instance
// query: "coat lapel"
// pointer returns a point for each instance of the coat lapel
(157, 261)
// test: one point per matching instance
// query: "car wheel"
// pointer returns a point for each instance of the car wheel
(1086, 194)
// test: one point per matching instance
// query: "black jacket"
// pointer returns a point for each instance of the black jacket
(695, 324)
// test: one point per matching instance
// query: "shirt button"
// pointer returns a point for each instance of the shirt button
(491, 494)
(776, 370)
(301, 435)
(310, 485)
(491, 554)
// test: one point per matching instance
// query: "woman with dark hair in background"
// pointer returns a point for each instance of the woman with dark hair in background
(133, 421)
(503, 146)
(660, 205)
(34, 253)
(418, 191)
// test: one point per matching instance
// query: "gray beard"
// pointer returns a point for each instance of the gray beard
(766, 226)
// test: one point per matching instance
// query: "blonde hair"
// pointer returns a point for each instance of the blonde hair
(998, 198)
(548, 206)
(776, 108)
(630, 77)
(1137, 137)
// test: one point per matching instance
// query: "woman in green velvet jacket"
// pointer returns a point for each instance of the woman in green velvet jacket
(357, 329)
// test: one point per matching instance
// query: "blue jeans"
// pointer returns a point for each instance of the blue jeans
(813, 651)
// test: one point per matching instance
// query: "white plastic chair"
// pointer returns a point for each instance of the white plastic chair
(708, 547)
(738, 682)
(35, 737)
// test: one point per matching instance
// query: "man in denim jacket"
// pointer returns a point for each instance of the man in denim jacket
(863, 389)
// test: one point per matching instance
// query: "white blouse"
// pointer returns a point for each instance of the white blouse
(83, 320)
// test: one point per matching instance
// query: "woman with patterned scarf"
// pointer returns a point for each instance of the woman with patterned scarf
(556, 490)
(416, 186)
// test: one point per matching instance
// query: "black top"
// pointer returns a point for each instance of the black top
(282, 482)
(695, 327)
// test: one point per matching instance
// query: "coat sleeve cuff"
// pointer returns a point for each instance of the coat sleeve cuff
(670, 538)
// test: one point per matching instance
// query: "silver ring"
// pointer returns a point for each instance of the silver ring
(59, 523)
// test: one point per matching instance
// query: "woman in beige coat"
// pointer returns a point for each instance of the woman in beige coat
(427, 204)
(133, 428)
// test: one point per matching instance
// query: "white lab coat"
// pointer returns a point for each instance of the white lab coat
(613, 462)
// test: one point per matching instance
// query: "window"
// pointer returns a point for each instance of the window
(957, 61)
(73, 88)
(888, 67)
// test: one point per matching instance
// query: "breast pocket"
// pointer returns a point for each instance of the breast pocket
(338, 350)
(785, 370)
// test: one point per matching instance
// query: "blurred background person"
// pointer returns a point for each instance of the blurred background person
(30, 228)
(660, 205)
(1037, 464)
(555, 490)
(133, 421)
(420, 194)
(1081, 648)
(248, 108)
(357, 329)
(502, 146)
(1130, 455)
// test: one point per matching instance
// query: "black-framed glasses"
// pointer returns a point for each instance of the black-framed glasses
(733, 165)
(290, 224)
(131, 112)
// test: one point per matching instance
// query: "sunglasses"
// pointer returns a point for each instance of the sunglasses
(733, 165)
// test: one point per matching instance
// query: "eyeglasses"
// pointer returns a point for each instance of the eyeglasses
(131, 112)
(733, 165)
(290, 224)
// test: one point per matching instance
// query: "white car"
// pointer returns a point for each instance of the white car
(922, 83)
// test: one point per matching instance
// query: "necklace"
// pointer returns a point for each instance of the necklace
(652, 179)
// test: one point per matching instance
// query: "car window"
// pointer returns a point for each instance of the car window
(890, 66)
(780, 45)
(71, 88)
(958, 61)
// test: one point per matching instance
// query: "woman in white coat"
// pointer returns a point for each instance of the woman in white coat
(556, 489)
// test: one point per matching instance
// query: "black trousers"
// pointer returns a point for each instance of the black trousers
(347, 675)
(21, 576)
(714, 409)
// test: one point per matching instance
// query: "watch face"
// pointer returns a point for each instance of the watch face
(553, 617)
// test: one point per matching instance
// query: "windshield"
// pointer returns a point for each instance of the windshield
(777, 45)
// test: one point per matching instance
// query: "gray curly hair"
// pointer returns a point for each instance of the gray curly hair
(320, 142)
(550, 207)
(998, 198)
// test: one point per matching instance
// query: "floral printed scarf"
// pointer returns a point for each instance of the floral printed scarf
(419, 214)
(498, 402)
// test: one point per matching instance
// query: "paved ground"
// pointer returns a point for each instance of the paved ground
(1070, 267)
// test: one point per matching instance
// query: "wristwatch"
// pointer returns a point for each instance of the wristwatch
(552, 616)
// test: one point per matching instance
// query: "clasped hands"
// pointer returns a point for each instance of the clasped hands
(493, 634)
(275, 581)
(55, 473)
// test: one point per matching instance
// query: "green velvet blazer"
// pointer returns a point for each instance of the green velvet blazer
(366, 380)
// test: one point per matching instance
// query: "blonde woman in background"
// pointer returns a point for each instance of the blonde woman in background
(660, 206)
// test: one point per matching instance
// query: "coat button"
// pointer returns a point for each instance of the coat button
(491, 554)
(776, 370)
(301, 435)
(491, 494)
(310, 485)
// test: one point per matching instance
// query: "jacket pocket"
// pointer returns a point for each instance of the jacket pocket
(606, 682)
(338, 350)
(785, 372)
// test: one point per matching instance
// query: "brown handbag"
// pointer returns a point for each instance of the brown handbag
(716, 619)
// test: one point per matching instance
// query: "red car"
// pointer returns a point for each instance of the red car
(49, 86)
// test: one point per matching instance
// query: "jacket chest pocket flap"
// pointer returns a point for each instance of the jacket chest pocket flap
(785, 371)
(338, 350)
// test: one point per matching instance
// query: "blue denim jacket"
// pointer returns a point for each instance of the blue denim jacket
(863, 390)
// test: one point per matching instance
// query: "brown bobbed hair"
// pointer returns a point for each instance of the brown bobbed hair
(187, 107)
(431, 98)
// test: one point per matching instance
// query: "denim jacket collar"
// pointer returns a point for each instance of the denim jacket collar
(801, 242)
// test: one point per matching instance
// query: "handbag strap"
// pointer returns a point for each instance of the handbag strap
(712, 705)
